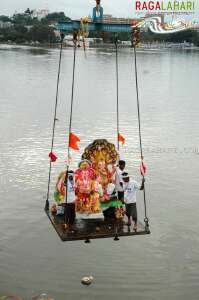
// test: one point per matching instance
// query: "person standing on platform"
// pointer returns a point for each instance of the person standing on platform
(119, 181)
(130, 189)
(70, 201)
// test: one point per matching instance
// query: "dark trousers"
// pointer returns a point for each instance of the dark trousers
(70, 213)
(120, 196)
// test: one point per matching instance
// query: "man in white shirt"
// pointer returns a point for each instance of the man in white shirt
(119, 181)
(130, 189)
(70, 200)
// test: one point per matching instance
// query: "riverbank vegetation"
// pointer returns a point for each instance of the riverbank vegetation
(23, 28)
(189, 36)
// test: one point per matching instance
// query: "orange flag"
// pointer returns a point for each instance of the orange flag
(73, 141)
(121, 139)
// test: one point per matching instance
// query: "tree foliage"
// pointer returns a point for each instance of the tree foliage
(191, 36)
(57, 17)
(42, 33)
(4, 19)
(25, 28)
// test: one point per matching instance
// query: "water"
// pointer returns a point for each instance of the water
(33, 260)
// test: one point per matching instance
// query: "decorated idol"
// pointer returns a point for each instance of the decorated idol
(87, 189)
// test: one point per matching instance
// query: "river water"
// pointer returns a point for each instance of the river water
(163, 265)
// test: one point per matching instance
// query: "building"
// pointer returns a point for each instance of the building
(40, 14)
(5, 24)
(28, 27)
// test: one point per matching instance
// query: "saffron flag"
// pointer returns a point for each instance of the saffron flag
(143, 169)
(52, 156)
(73, 141)
(121, 139)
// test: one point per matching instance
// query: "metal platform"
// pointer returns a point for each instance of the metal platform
(106, 27)
(94, 229)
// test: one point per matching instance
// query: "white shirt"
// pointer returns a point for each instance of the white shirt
(110, 189)
(130, 190)
(118, 180)
(71, 192)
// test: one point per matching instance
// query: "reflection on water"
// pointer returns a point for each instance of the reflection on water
(33, 260)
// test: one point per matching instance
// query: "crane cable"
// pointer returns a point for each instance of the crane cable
(55, 119)
(117, 91)
(146, 219)
(75, 37)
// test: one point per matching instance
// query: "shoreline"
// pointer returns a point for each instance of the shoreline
(144, 46)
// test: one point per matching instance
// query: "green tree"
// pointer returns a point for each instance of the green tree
(42, 33)
(55, 17)
(21, 29)
(24, 19)
(191, 36)
(4, 18)
(10, 34)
